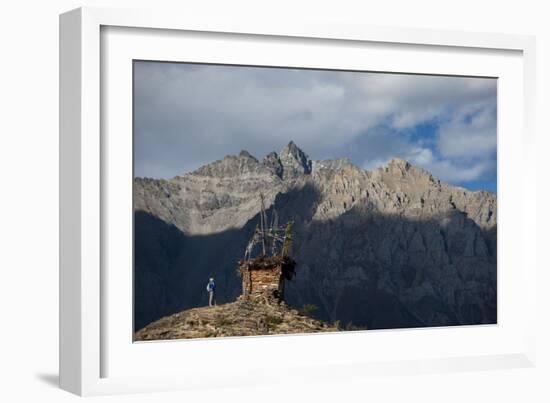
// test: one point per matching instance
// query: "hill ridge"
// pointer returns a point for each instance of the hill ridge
(239, 318)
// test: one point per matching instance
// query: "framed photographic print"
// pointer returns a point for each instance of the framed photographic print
(253, 193)
(392, 226)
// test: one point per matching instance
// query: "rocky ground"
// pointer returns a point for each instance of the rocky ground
(240, 318)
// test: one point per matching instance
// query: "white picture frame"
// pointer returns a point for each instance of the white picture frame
(90, 344)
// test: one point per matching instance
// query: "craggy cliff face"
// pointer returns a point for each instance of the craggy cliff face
(394, 247)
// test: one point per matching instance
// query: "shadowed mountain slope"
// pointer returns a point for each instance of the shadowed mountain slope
(393, 247)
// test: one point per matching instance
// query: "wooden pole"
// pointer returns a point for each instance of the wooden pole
(262, 222)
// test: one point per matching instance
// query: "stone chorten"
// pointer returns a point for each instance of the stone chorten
(265, 275)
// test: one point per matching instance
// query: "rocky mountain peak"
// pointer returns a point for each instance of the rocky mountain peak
(400, 175)
(400, 163)
(400, 168)
(273, 162)
(294, 161)
(247, 155)
(231, 166)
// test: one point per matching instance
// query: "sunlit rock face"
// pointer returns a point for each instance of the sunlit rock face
(392, 247)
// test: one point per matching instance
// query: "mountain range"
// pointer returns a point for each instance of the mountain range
(392, 247)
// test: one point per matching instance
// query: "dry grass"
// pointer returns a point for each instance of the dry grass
(240, 318)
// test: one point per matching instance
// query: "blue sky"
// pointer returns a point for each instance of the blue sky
(189, 115)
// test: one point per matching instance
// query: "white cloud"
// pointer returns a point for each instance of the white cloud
(421, 156)
(459, 173)
(372, 164)
(475, 137)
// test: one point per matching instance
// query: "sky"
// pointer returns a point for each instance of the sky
(188, 115)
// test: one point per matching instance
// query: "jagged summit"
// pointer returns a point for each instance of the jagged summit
(400, 175)
(402, 166)
(291, 162)
(295, 162)
(292, 147)
(273, 162)
(246, 154)
(400, 162)
(230, 166)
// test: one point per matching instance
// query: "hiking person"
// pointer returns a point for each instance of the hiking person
(211, 289)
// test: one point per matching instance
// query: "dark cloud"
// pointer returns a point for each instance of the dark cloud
(188, 115)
